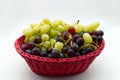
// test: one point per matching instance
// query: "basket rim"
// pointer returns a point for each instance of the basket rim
(46, 59)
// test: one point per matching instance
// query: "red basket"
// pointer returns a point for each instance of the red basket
(60, 66)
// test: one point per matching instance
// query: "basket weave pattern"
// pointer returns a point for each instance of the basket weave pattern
(59, 66)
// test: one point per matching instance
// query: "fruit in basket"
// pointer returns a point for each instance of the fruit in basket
(57, 39)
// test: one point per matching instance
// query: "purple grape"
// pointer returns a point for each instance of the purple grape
(30, 45)
(71, 53)
(93, 32)
(94, 37)
(75, 47)
(71, 30)
(55, 53)
(99, 39)
(35, 51)
(89, 49)
(80, 41)
(61, 55)
(100, 33)
(43, 53)
(50, 55)
(75, 37)
(81, 33)
(59, 38)
(37, 40)
(28, 51)
(65, 35)
(77, 54)
(65, 49)
(24, 47)
(82, 51)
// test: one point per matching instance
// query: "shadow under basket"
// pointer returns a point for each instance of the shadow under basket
(59, 66)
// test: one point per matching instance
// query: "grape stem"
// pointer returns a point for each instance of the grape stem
(78, 21)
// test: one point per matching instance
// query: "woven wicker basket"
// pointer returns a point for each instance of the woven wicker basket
(60, 66)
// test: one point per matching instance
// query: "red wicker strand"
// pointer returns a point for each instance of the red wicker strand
(60, 66)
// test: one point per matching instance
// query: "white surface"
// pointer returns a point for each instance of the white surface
(16, 15)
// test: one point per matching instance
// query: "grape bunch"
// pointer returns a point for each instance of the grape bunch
(57, 39)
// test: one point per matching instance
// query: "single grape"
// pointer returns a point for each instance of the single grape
(55, 53)
(80, 41)
(65, 49)
(43, 53)
(37, 40)
(71, 30)
(45, 29)
(77, 54)
(100, 33)
(26, 39)
(35, 51)
(87, 38)
(28, 51)
(75, 47)
(46, 21)
(91, 27)
(24, 47)
(71, 53)
(31, 39)
(75, 37)
(67, 26)
(61, 55)
(59, 38)
(36, 29)
(60, 28)
(89, 49)
(58, 46)
(28, 32)
(30, 45)
(52, 41)
(47, 44)
(78, 29)
(53, 32)
(49, 55)
(99, 39)
(45, 37)
(94, 37)
(81, 34)
(94, 32)
(82, 51)
(54, 24)
(65, 35)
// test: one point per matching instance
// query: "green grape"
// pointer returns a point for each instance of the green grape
(31, 39)
(61, 22)
(78, 28)
(46, 21)
(45, 29)
(91, 27)
(58, 46)
(28, 32)
(47, 44)
(52, 41)
(45, 37)
(54, 24)
(33, 25)
(43, 48)
(42, 23)
(67, 26)
(60, 28)
(36, 29)
(53, 32)
(26, 40)
(87, 38)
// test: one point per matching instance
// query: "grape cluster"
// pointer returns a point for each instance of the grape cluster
(57, 39)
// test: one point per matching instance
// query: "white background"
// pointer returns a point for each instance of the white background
(16, 15)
